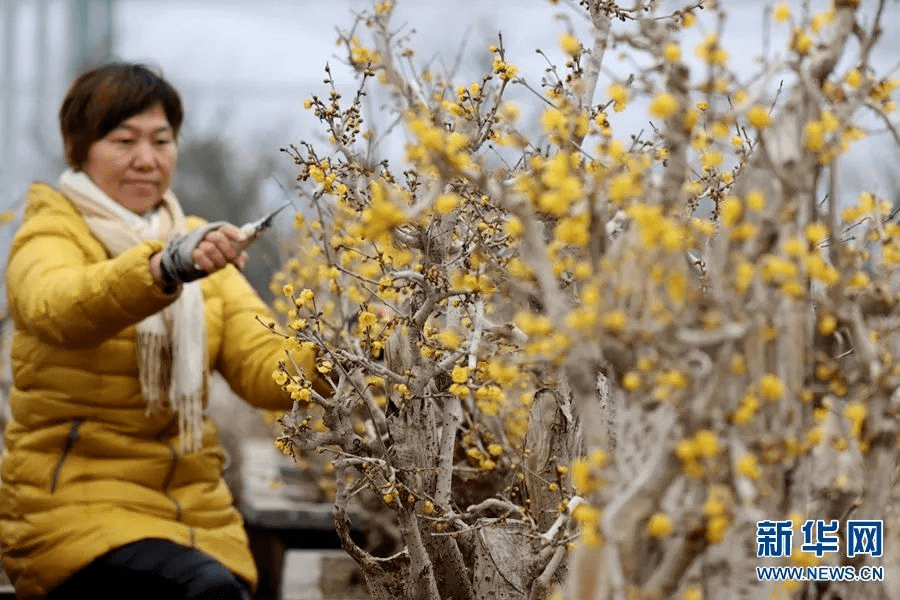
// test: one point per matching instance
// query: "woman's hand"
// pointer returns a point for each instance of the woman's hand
(215, 250)
(187, 259)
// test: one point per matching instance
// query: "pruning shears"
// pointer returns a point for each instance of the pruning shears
(253, 230)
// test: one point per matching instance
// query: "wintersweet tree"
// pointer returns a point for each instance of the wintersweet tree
(576, 361)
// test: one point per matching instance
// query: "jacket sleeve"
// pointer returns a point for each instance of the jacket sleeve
(250, 352)
(58, 292)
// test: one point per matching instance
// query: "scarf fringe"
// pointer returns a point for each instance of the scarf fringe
(190, 421)
(155, 371)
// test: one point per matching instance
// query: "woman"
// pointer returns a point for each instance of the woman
(111, 479)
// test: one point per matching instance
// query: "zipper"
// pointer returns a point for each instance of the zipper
(168, 480)
(70, 441)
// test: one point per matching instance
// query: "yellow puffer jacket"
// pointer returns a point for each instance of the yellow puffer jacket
(85, 470)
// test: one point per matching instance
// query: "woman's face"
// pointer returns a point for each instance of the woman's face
(133, 163)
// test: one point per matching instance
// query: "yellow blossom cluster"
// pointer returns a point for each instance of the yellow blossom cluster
(692, 452)
(360, 55)
(587, 472)
(717, 511)
(503, 69)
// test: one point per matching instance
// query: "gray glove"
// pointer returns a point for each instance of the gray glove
(176, 262)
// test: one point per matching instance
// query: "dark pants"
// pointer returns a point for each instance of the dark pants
(153, 569)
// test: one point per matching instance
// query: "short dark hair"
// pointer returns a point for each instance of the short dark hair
(100, 99)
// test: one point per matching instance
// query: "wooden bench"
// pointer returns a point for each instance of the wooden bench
(277, 515)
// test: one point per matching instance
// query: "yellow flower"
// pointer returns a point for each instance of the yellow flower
(505, 70)
(715, 528)
(706, 443)
(692, 593)
(748, 467)
(731, 210)
(460, 374)
(664, 105)
(449, 339)
(306, 297)
(288, 290)
(624, 186)
(553, 121)
(820, 19)
(827, 324)
(672, 378)
(714, 505)
(771, 387)
(819, 269)
(858, 281)
(367, 319)
(446, 203)
(631, 381)
(853, 78)
(459, 390)
(782, 12)
(325, 367)
(801, 42)
(711, 51)
(756, 201)
(794, 247)
(816, 232)
(619, 95)
(570, 44)
(814, 135)
(588, 518)
(582, 319)
(672, 52)
(581, 476)
(534, 324)
(302, 394)
(744, 276)
(514, 227)
(574, 230)
(382, 215)
(745, 412)
(815, 435)
(856, 413)
(711, 159)
(758, 117)
(660, 525)
(704, 227)
(615, 320)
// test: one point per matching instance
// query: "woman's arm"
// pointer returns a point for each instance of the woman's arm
(59, 295)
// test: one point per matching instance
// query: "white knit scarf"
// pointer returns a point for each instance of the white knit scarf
(171, 343)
